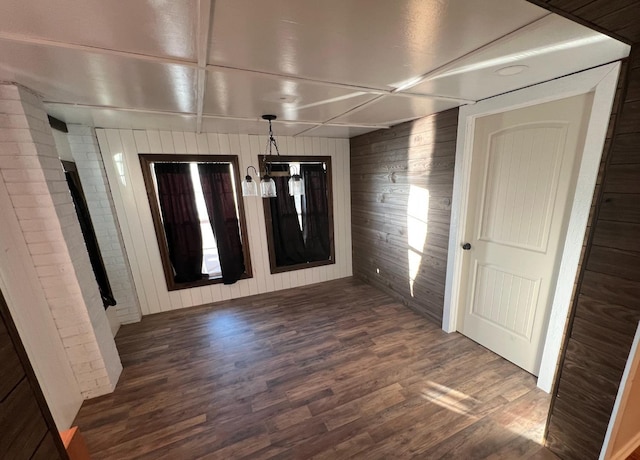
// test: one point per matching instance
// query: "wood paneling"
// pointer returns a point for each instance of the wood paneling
(617, 18)
(120, 149)
(619, 235)
(27, 429)
(402, 184)
(12, 371)
(47, 450)
(331, 371)
(613, 206)
(21, 422)
(626, 148)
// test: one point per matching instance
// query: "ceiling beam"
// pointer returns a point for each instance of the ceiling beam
(202, 47)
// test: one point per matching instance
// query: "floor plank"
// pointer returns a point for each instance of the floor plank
(330, 371)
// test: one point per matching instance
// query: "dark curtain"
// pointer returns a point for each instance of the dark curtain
(288, 242)
(217, 186)
(180, 220)
(315, 212)
(89, 234)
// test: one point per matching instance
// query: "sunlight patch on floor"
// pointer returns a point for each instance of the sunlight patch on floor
(448, 398)
(529, 430)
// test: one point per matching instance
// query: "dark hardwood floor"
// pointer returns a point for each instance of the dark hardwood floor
(335, 370)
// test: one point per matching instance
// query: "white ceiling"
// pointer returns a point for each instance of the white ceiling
(335, 68)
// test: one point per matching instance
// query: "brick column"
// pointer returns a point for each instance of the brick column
(86, 154)
(32, 173)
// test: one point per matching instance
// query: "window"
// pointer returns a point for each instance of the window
(199, 219)
(300, 229)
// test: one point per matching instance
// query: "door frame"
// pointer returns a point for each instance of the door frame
(602, 81)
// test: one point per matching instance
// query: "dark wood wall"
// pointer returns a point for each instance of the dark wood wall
(617, 18)
(27, 430)
(606, 307)
(388, 169)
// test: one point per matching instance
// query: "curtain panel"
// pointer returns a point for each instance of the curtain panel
(315, 212)
(180, 220)
(288, 241)
(218, 192)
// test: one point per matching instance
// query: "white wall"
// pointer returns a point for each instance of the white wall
(120, 149)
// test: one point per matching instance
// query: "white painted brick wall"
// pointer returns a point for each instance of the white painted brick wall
(86, 154)
(33, 175)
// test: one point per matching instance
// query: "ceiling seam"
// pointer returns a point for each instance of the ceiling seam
(198, 66)
(210, 116)
(350, 86)
(402, 90)
(300, 122)
(353, 109)
(205, 24)
(445, 67)
(95, 49)
(202, 51)
(313, 81)
(121, 109)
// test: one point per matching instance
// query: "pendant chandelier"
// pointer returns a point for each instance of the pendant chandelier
(267, 184)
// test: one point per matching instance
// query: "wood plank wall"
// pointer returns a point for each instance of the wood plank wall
(605, 310)
(400, 244)
(617, 18)
(26, 425)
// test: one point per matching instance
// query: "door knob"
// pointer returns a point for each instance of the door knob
(466, 246)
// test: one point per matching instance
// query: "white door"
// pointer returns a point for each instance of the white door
(522, 180)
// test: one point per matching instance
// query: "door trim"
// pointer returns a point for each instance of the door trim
(603, 82)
